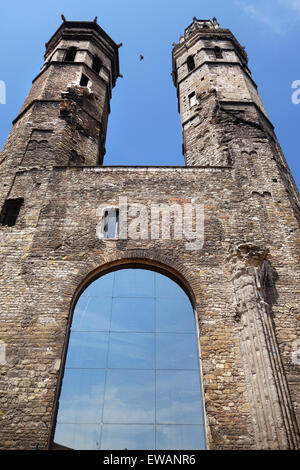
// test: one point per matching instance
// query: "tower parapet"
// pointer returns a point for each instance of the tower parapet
(224, 122)
(69, 102)
(223, 227)
(210, 71)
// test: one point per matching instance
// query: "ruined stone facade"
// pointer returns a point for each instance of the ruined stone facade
(244, 282)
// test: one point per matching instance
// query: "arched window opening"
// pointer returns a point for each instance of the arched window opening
(71, 54)
(131, 378)
(218, 53)
(190, 63)
(10, 211)
(97, 63)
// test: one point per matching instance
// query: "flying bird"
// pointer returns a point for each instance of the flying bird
(141, 57)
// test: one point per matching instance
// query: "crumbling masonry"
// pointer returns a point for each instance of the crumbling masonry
(244, 282)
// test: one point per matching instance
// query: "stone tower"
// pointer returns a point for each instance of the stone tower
(243, 279)
(216, 96)
(63, 120)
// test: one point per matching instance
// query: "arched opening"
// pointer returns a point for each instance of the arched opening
(132, 377)
(10, 211)
(97, 63)
(218, 52)
(190, 63)
(71, 54)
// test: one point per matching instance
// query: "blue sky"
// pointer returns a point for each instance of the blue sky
(144, 125)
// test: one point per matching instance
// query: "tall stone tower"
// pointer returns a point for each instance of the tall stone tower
(242, 277)
(216, 96)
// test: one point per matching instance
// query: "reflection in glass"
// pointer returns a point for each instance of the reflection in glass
(180, 437)
(131, 314)
(129, 396)
(87, 350)
(132, 374)
(166, 288)
(78, 436)
(131, 351)
(171, 315)
(101, 288)
(176, 351)
(92, 314)
(177, 398)
(81, 399)
(130, 437)
(134, 283)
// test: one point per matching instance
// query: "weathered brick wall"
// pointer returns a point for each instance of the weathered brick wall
(46, 266)
(244, 281)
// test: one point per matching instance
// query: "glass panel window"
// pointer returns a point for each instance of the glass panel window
(129, 396)
(130, 437)
(78, 436)
(92, 314)
(130, 314)
(87, 350)
(101, 289)
(81, 399)
(170, 315)
(176, 351)
(131, 351)
(111, 223)
(134, 283)
(180, 437)
(177, 397)
(131, 379)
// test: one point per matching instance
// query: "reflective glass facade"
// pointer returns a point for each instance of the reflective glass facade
(132, 377)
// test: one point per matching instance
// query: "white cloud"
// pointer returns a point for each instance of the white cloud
(254, 12)
(293, 4)
(276, 15)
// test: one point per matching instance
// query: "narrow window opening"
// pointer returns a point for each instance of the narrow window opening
(96, 65)
(218, 53)
(190, 63)
(111, 223)
(70, 54)
(84, 80)
(10, 211)
(192, 99)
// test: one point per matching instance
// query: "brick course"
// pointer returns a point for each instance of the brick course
(235, 168)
